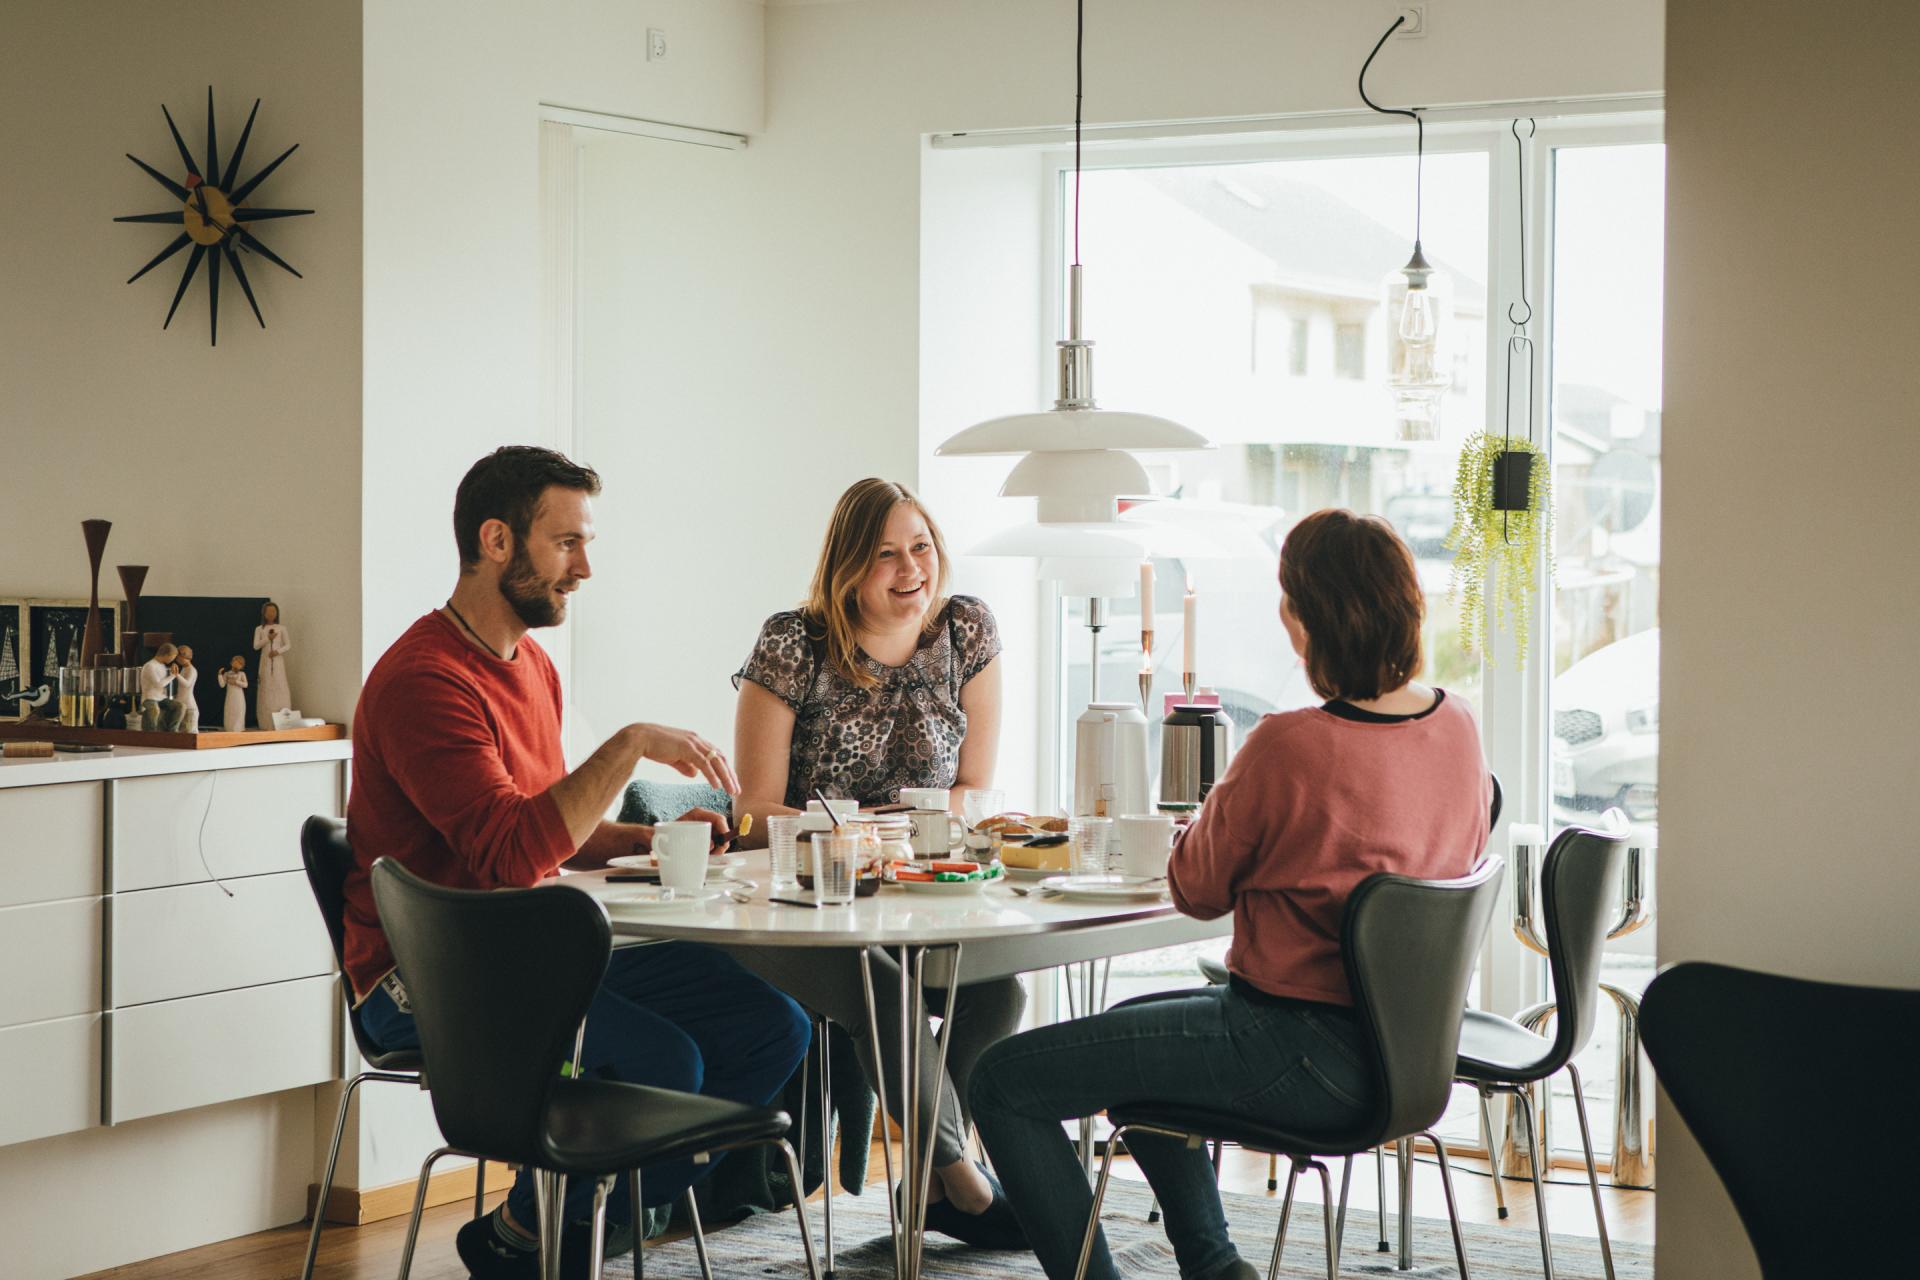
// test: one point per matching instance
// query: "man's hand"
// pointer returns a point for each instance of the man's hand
(687, 752)
(638, 836)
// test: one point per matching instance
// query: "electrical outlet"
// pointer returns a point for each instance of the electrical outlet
(1416, 20)
(657, 43)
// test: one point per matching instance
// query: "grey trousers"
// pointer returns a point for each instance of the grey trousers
(828, 982)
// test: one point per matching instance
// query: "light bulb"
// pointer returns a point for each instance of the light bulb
(1419, 320)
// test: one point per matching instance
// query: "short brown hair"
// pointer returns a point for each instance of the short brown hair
(854, 532)
(1352, 584)
(507, 485)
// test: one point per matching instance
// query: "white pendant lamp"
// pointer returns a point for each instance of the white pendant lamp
(1079, 457)
(1419, 302)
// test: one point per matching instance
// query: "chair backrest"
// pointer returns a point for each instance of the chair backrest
(1751, 1062)
(1579, 893)
(499, 982)
(328, 858)
(1409, 947)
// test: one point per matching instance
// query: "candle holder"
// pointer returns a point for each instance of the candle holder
(132, 578)
(92, 640)
(1189, 681)
(1146, 693)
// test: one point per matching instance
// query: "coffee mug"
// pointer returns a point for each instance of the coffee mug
(1143, 841)
(935, 832)
(926, 797)
(681, 849)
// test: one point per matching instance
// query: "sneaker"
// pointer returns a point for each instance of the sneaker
(488, 1257)
(995, 1227)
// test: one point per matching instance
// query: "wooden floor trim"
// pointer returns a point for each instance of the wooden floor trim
(357, 1206)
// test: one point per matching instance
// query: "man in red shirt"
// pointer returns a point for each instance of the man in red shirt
(458, 776)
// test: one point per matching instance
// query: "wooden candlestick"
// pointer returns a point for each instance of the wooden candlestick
(91, 640)
(132, 578)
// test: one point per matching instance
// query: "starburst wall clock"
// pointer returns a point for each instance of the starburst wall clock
(214, 218)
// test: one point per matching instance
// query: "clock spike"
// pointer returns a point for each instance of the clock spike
(186, 278)
(240, 274)
(171, 215)
(272, 257)
(159, 177)
(261, 215)
(213, 298)
(240, 149)
(181, 143)
(246, 188)
(213, 149)
(180, 243)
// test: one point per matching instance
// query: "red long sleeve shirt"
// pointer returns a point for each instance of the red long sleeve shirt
(1312, 805)
(453, 752)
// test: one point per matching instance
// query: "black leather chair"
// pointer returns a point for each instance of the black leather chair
(499, 1086)
(1746, 1059)
(1409, 947)
(1579, 885)
(328, 857)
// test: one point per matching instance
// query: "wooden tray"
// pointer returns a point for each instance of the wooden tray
(205, 740)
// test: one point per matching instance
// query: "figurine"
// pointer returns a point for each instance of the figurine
(271, 639)
(233, 678)
(184, 676)
(156, 679)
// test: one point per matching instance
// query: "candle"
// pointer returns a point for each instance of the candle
(1192, 634)
(1146, 607)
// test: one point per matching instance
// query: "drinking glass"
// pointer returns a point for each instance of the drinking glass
(1087, 839)
(783, 850)
(976, 806)
(836, 861)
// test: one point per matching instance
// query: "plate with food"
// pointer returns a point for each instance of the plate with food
(944, 877)
(1039, 857)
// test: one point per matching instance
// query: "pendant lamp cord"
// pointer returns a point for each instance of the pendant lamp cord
(1420, 127)
(1519, 314)
(1079, 87)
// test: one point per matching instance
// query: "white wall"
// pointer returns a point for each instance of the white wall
(231, 470)
(1789, 612)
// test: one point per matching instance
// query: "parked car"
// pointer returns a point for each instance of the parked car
(1606, 732)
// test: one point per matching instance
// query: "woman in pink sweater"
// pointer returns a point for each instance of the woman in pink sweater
(1386, 775)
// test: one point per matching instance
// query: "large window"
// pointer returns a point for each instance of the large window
(1193, 263)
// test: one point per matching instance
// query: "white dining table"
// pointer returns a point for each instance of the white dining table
(940, 939)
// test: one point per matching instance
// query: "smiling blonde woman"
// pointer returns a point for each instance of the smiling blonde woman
(879, 682)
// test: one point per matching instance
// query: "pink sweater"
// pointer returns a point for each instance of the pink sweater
(1312, 805)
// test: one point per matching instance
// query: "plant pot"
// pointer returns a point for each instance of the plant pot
(1512, 480)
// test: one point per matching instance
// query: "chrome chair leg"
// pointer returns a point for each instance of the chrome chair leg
(800, 1211)
(326, 1182)
(597, 1240)
(1493, 1153)
(1340, 1222)
(1593, 1177)
(1286, 1212)
(1273, 1172)
(1099, 1195)
(1524, 1104)
(419, 1207)
(1403, 1150)
(1453, 1210)
(1380, 1190)
(639, 1225)
(699, 1236)
(1326, 1221)
(549, 1193)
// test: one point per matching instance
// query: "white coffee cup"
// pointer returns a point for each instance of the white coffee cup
(682, 850)
(1143, 842)
(926, 797)
(936, 833)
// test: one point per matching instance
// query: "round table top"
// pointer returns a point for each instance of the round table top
(892, 917)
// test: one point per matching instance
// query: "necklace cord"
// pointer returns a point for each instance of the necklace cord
(475, 634)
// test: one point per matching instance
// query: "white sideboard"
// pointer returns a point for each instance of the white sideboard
(162, 948)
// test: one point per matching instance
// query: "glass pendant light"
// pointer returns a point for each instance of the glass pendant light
(1079, 457)
(1419, 304)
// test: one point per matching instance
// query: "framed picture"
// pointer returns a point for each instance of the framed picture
(13, 656)
(54, 629)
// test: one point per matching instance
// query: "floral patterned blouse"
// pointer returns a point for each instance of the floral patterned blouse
(866, 744)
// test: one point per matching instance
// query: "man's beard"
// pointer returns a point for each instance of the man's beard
(530, 595)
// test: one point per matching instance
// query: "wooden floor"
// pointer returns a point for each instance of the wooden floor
(372, 1252)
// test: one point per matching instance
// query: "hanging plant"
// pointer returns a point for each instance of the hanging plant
(1502, 520)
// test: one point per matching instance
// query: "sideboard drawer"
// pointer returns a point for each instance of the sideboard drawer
(50, 842)
(186, 828)
(237, 1044)
(193, 939)
(50, 954)
(52, 1074)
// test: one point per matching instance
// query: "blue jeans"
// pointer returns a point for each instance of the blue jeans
(1294, 1064)
(674, 1015)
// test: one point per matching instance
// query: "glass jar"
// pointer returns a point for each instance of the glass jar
(890, 836)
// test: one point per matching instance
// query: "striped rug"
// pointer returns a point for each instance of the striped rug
(768, 1246)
